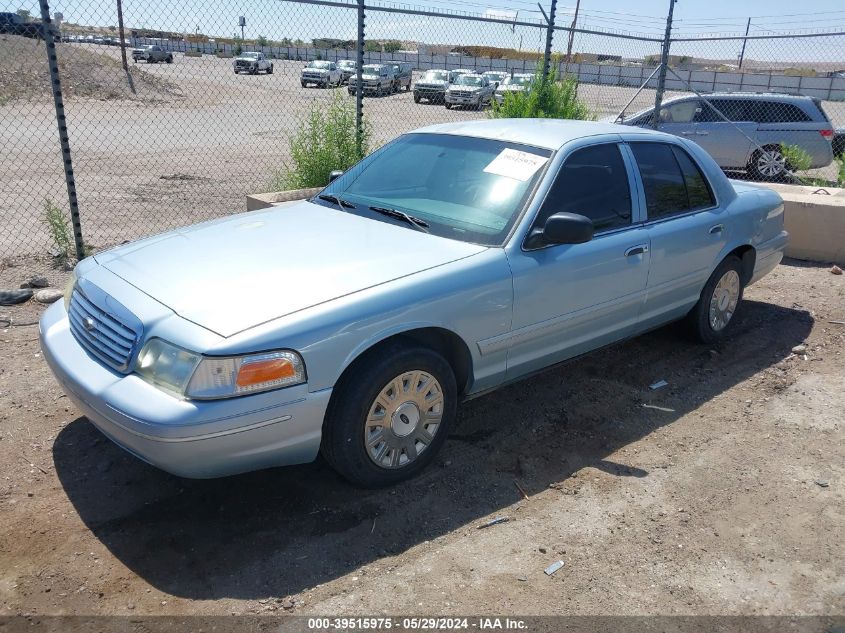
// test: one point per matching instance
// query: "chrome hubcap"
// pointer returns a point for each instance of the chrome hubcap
(771, 163)
(724, 300)
(403, 419)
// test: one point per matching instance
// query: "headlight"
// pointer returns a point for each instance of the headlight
(192, 375)
(71, 284)
(166, 365)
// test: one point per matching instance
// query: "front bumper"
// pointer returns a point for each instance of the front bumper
(456, 100)
(197, 439)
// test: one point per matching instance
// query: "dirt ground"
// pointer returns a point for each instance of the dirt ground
(721, 493)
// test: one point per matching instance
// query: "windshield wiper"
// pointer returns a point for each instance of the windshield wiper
(330, 197)
(422, 225)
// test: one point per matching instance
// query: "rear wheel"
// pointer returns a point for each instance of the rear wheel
(169, 59)
(270, 70)
(448, 106)
(389, 418)
(768, 164)
(416, 98)
(712, 316)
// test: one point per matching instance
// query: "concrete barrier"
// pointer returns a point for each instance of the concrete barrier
(264, 200)
(815, 219)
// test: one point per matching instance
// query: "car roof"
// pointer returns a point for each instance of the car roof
(779, 96)
(548, 133)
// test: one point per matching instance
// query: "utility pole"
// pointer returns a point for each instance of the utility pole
(744, 41)
(571, 37)
(122, 34)
(664, 63)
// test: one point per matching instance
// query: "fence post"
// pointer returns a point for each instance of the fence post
(359, 83)
(664, 62)
(58, 102)
(550, 31)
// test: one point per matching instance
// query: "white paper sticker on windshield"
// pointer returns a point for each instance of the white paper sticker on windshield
(515, 164)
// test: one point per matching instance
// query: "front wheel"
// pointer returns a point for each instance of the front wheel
(416, 98)
(169, 59)
(448, 106)
(270, 70)
(389, 418)
(712, 316)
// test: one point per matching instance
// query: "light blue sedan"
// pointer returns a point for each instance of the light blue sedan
(451, 261)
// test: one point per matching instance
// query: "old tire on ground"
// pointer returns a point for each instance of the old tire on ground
(768, 165)
(390, 416)
(712, 317)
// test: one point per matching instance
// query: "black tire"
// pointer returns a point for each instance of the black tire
(343, 441)
(169, 59)
(448, 106)
(408, 87)
(416, 98)
(698, 320)
(270, 70)
(754, 169)
(303, 84)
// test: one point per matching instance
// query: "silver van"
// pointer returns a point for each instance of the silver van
(770, 121)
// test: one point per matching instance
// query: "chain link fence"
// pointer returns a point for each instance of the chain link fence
(199, 112)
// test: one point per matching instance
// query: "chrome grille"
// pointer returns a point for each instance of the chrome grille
(105, 334)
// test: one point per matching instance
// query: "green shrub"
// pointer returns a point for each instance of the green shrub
(59, 229)
(796, 158)
(544, 98)
(323, 141)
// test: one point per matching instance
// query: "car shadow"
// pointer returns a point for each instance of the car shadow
(281, 531)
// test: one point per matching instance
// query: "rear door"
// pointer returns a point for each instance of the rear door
(686, 227)
(728, 142)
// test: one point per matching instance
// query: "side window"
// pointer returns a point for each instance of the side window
(665, 189)
(592, 182)
(733, 109)
(698, 190)
(683, 112)
(775, 112)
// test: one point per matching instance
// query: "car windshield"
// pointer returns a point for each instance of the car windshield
(318, 64)
(464, 188)
(469, 80)
(495, 76)
(518, 80)
(346, 64)
(436, 75)
(250, 55)
(371, 69)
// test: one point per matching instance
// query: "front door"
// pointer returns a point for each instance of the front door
(571, 298)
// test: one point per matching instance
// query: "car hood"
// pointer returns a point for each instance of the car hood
(232, 274)
(321, 71)
(433, 84)
(465, 88)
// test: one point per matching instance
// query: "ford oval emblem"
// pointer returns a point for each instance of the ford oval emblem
(90, 324)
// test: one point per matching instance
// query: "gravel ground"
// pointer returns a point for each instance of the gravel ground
(721, 493)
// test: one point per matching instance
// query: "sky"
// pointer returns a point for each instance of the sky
(276, 19)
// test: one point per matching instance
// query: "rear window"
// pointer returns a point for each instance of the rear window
(754, 110)
(672, 181)
(777, 112)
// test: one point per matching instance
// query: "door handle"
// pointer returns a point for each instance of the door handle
(687, 133)
(639, 249)
(718, 228)
(703, 133)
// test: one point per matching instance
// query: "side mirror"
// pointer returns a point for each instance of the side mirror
(562, 228)
(335, 174)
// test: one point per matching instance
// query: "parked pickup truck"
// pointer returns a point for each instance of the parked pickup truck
(151, 54)
(321, 73)
(474, 91)
(455, 259)
(376, 79)
(253, 63)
